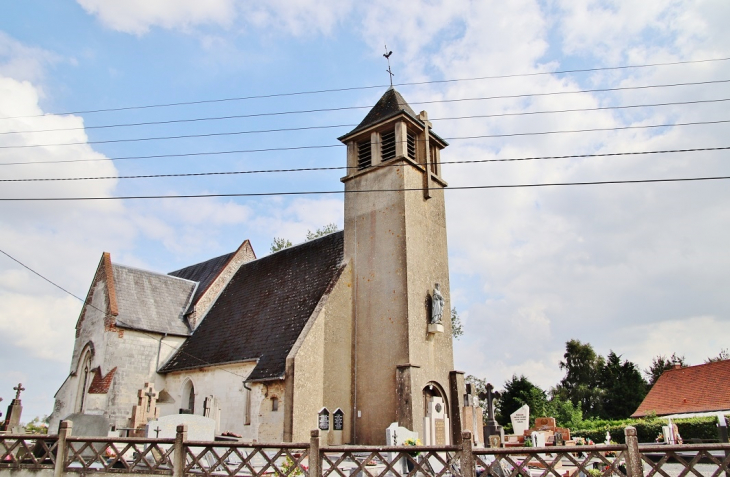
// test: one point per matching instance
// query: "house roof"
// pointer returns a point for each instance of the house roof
(701, 388)
(204, 273)
(151, 301)
(263, 309)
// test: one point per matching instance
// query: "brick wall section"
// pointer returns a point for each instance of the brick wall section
(100, 383)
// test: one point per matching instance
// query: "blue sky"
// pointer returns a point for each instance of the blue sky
(638, 269)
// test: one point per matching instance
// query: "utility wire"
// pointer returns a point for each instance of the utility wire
(233, 133)
(414, 83)
(330, 192)
(106, 314)
(309, 169)
(240, 116)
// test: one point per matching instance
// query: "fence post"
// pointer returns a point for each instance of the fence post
(467, 457)
(314, 460)
(64, 430)
(178, 457)
(634, 466)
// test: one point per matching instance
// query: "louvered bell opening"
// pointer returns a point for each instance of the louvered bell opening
(411, 139)
(388, 145)
(364, 159)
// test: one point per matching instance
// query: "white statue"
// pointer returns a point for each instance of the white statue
(437, 305)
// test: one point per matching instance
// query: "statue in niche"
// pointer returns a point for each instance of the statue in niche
(437, 305)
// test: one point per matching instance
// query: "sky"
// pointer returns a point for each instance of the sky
(640, 269)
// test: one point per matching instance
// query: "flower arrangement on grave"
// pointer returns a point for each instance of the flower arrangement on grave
(290, 468)
(412, 442)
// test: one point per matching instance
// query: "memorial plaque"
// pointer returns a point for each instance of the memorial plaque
(324, 419)
(440, 431)
(338, 418)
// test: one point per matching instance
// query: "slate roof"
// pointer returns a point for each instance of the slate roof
(388, 106)
(204, 273)
(263, 309)
(151, 301)
(701, 388)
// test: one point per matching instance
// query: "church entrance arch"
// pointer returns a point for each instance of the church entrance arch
(436, 422)
(188, 397)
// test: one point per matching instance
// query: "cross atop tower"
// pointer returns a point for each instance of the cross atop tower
(387, 57)
(18, 390)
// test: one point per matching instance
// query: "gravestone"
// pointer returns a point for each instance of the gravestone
(436, 423)
(323, 419)
(492, 428)
(520, 420)
(15, 409)
(396, 435)
(338, 425)
(87, 425)
(722, 428)
(200, 428)
(145, 410)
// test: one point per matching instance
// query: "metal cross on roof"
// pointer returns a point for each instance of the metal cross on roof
(387, 57)
(18, 389)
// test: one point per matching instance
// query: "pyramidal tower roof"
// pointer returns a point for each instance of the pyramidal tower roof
(389, 105)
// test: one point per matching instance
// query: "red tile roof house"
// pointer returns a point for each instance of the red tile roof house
(692, 391)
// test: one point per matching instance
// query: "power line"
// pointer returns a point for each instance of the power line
(189, 136)
(241, 116)
(415, 83)
(106, 314)
(330, 192)
(310, 169)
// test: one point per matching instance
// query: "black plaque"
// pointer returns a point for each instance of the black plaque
(324, 419)
(339, 419)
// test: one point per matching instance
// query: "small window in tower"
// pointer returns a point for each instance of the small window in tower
(411, 139)
(364, 159)
(433, 159)
(387, 151)
(274, 404)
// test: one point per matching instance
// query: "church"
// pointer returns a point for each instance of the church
(356, 321)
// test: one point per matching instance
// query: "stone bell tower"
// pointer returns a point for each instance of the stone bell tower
(395, 238)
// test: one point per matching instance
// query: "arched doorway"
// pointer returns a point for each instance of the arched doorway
(188, 398)
(436, 422)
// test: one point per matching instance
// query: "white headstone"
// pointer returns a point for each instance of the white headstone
(520, 420)
(200, 428)
(538, 439)
(396, 435)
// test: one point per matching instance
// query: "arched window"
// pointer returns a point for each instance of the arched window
(84, 374)
(188, 398)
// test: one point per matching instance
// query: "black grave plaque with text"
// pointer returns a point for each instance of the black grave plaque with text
(324, 419)
(339, 419)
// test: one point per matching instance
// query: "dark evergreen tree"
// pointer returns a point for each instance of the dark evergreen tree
(622, 387)
(581, 382)
(518, 392)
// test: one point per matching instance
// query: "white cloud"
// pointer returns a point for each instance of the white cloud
(296, 17)
(137, 16)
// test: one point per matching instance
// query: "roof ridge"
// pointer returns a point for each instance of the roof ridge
(150, 272)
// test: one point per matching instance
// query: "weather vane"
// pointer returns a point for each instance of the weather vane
(387, 57)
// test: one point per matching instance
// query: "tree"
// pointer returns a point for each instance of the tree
(623, 388)
(327, 229)
(660, 364)
(580, 385)
(280, 244)
(724, 355)
(566, 414)
(519, 391)
(457, 329)
(37, 426)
